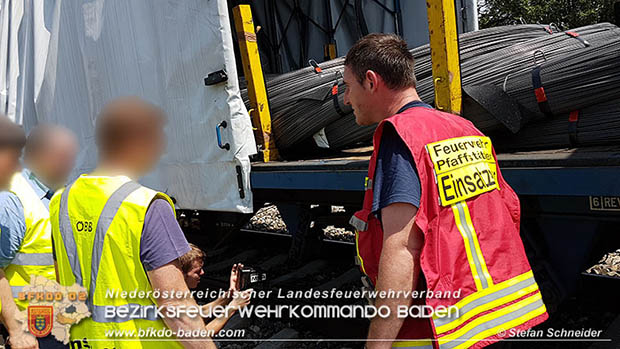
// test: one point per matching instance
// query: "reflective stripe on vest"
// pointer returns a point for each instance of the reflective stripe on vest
(33, 259)
(478, 266)
(16, 290)
(68, 239)
(110, 209)
(358, 258)
(34, 256)
(490, 298)
(496, 322)
(416, 344)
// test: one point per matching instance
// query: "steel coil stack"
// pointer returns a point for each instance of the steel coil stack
(577, 70)
(345, 132)
(301, 102)
(571, 81)
(598, 124)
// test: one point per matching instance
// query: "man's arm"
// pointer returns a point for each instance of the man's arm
(168, 279)
(221, 301)
(12, 231)
(399, 269)
(18, 339)
(161, 244)
(12, 227)
(240, 300)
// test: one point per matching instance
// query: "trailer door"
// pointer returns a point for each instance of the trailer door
(62, 61)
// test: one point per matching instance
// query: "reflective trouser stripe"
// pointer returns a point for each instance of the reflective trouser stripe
(128, 312)
(417, 344)
(38, 259)
(490, 298)
(15, 290)
(478, 267)
(493, 323)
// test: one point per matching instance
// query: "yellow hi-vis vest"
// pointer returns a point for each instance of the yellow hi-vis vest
(97, 224)
(34, 256)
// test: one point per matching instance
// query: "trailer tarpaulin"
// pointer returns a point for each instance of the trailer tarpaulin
(62, 61)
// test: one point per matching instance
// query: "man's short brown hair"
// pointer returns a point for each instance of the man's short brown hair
(187, 260)
(386, 55)
(11, 134)
(124, 119)
(40, 137)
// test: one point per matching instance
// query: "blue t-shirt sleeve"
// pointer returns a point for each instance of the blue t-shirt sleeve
(12, 227)
(162, 239)
(396, 177)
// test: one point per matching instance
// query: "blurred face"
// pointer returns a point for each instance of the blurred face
(55, 163)
(360, 97)
(148, 147)
(192, 277)
(9, 164)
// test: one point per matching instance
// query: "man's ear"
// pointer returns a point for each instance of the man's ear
(372, 80)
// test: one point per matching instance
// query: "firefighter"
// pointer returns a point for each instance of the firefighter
(437, 215)
(113, 235)
(12, 139)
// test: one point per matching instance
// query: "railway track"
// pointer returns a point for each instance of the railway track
(330, 265)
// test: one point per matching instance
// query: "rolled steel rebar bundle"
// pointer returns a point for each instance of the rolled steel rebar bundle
(471, 44)
(345, 132)
(478, 43)
(572, 81)
(598, 124)
(291, 134)
(516, 62)
(301, 103)
(496, 66)
(576, 69)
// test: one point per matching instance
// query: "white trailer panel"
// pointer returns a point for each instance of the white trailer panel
(62, 61)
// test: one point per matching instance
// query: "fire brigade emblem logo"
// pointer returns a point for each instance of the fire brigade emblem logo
(40, 320)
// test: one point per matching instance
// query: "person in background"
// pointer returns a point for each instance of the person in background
(26, 248)
(12, 140)
(191, 264)
(126, 233)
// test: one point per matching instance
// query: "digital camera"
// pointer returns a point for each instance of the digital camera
(250, 278)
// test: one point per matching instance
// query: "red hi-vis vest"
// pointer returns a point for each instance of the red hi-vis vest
(470, 220)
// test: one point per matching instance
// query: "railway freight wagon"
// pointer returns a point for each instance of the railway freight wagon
(62, 61)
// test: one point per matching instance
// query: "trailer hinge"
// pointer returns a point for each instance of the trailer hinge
(240, 182)
(216, 77)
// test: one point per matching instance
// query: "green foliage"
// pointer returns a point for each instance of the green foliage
(565, 14)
